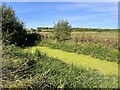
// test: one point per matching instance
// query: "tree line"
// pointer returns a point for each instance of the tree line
(74, 29)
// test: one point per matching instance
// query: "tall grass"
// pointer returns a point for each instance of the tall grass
(38, 71)
(110, 39)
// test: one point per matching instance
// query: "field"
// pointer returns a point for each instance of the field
(50, 60)
(109, 38)
(107, 34)
(80, 60)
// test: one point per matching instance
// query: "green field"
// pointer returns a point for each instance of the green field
(81, 60)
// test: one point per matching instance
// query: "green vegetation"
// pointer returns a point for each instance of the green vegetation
(94, 50)
(93, 29)
(88, 58)
(33, 30)
(108, 38)
(45, 29)
(23, 69)
(12, 28)
(62, 31)
(80, 60)
(75, 29)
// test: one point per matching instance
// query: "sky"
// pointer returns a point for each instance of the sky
(60, 0)
(79, 14)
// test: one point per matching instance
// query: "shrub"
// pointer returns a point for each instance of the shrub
(32, 39)
(62, 30)
(13, 31)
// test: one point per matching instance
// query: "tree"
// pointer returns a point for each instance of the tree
(13, 31)
(39, 29)
(33, 30)
(62, 31)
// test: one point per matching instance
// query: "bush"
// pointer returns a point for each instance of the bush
(32, 39)
(13, 31)
(62, 31)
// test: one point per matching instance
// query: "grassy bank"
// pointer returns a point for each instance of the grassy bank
(23, 69)
(104, 67)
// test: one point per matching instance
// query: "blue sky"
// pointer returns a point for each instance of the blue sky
(79, 14)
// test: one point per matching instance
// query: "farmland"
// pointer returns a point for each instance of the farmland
(108, 38)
